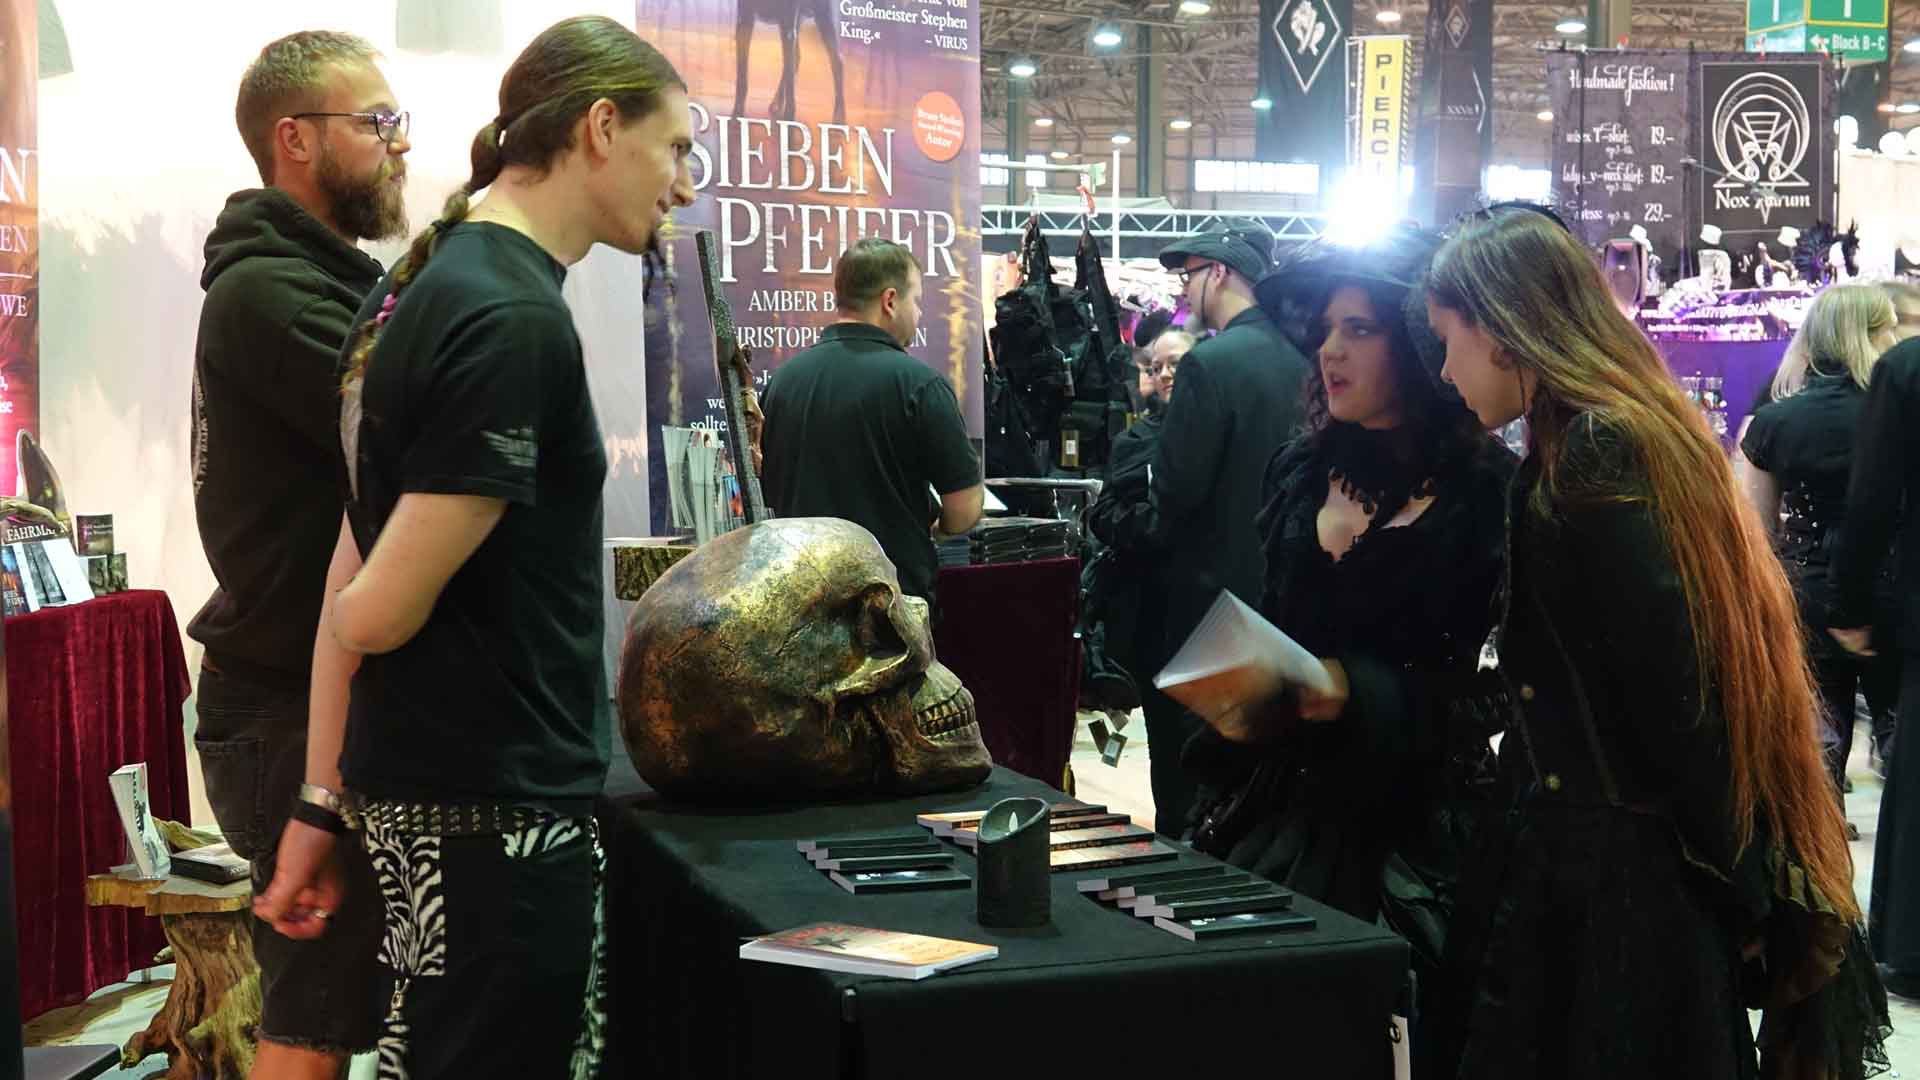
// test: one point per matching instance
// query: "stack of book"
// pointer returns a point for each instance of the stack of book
(885, 863)
(1017, 539)
(1084, 836)
(39, 568)
(1198, 902)
(954, 551)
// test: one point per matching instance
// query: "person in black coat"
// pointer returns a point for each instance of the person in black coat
(1126, 594)
(1239, 401)
(1800, 449)
(1886, 464)
(1383, 532)
(1671, 853)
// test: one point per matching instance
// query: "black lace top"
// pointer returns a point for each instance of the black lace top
(1365, 813)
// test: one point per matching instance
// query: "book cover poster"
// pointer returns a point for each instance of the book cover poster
(19, 234)
(816, 124)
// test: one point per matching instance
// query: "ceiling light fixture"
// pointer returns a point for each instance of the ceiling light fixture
(1907, 108)
(1181, 124)
(1571, 27)
(1043, 121)
(1911, 46)
(1022, 68)
(1387, 16)
(1057, 155)
(1106, 36)
(1195, 7)
(1545, 115)
(1262, 102)
(1121, 138)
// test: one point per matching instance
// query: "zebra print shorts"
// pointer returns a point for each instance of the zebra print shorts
(494, 957)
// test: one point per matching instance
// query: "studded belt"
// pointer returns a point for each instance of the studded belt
(442, 819)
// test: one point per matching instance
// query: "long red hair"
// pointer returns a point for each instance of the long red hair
(1523, 278)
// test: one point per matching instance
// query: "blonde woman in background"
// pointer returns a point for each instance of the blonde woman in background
(1800, 450)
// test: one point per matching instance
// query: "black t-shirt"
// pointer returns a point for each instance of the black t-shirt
(857, 429)
(477, 387)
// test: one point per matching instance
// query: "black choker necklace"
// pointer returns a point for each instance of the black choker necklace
(1381, 470)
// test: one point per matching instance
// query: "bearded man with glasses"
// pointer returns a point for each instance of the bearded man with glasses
(283, 280)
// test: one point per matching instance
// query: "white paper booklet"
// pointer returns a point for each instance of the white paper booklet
(129, 783)
(1235, 658)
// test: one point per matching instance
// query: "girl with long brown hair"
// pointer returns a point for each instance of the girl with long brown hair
(1672, 853)
(464, 601)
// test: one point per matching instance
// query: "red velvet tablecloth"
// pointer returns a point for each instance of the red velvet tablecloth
(90, 688)
(1007, 631)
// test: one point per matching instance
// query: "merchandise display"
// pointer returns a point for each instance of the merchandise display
(865, 951)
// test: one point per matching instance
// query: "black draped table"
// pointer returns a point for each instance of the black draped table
(1096, 993)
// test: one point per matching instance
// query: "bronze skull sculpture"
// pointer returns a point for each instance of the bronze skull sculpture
(781, 662)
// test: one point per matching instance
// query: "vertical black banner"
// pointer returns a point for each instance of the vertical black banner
(1763, 132)
(1454, 140)
(1303, 71)
(1619, 143)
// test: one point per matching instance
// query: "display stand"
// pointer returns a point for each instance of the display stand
(206, 1026)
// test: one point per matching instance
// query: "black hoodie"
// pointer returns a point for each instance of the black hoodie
(269, 478)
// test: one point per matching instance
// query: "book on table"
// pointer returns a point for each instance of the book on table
(886, 862)
(1271, 898)
(837, 842)
(216, 863)
(1125, 884)
(943, 824)
(1229, 885)
(1280, 921)
(1104, 855)
(151, 859)
(873, 881)
(1060, 839)
(862, 950)
(924, 845)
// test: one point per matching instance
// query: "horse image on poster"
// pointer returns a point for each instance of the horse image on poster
(785, 17)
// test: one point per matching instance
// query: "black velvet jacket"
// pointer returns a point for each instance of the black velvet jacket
(1620, 835)
(1370, 813)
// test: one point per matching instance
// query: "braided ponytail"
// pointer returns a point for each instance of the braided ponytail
(486, 164)
(568, 67)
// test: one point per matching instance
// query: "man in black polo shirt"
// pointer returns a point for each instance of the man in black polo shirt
(857, 429)
(1239, 402)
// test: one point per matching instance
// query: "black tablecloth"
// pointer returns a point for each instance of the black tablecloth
(1097, 992)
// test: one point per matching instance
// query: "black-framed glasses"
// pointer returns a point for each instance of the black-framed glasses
(386, 123)
(1186, 274)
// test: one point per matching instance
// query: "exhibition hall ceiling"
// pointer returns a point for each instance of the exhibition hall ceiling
(1090, 92)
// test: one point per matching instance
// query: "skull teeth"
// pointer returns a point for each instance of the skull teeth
(950, 721)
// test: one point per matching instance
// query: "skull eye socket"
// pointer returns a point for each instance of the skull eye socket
(873, 625)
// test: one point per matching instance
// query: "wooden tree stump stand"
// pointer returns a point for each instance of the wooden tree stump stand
(206, 1028)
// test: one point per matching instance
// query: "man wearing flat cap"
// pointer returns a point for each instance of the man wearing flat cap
(1239, 401)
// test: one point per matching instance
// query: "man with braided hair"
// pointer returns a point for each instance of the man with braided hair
(283, 280)
(464, 601)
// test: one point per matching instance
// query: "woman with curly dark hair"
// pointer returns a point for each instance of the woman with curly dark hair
(1382, 530)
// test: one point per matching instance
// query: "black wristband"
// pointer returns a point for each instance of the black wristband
(319, 817)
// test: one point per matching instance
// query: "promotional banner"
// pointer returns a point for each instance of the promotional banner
(1380, 134)
(19, 240)
(1454, 141)
(816, 124)
(1303, 72)
(1763, 135)
(1619, 144)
